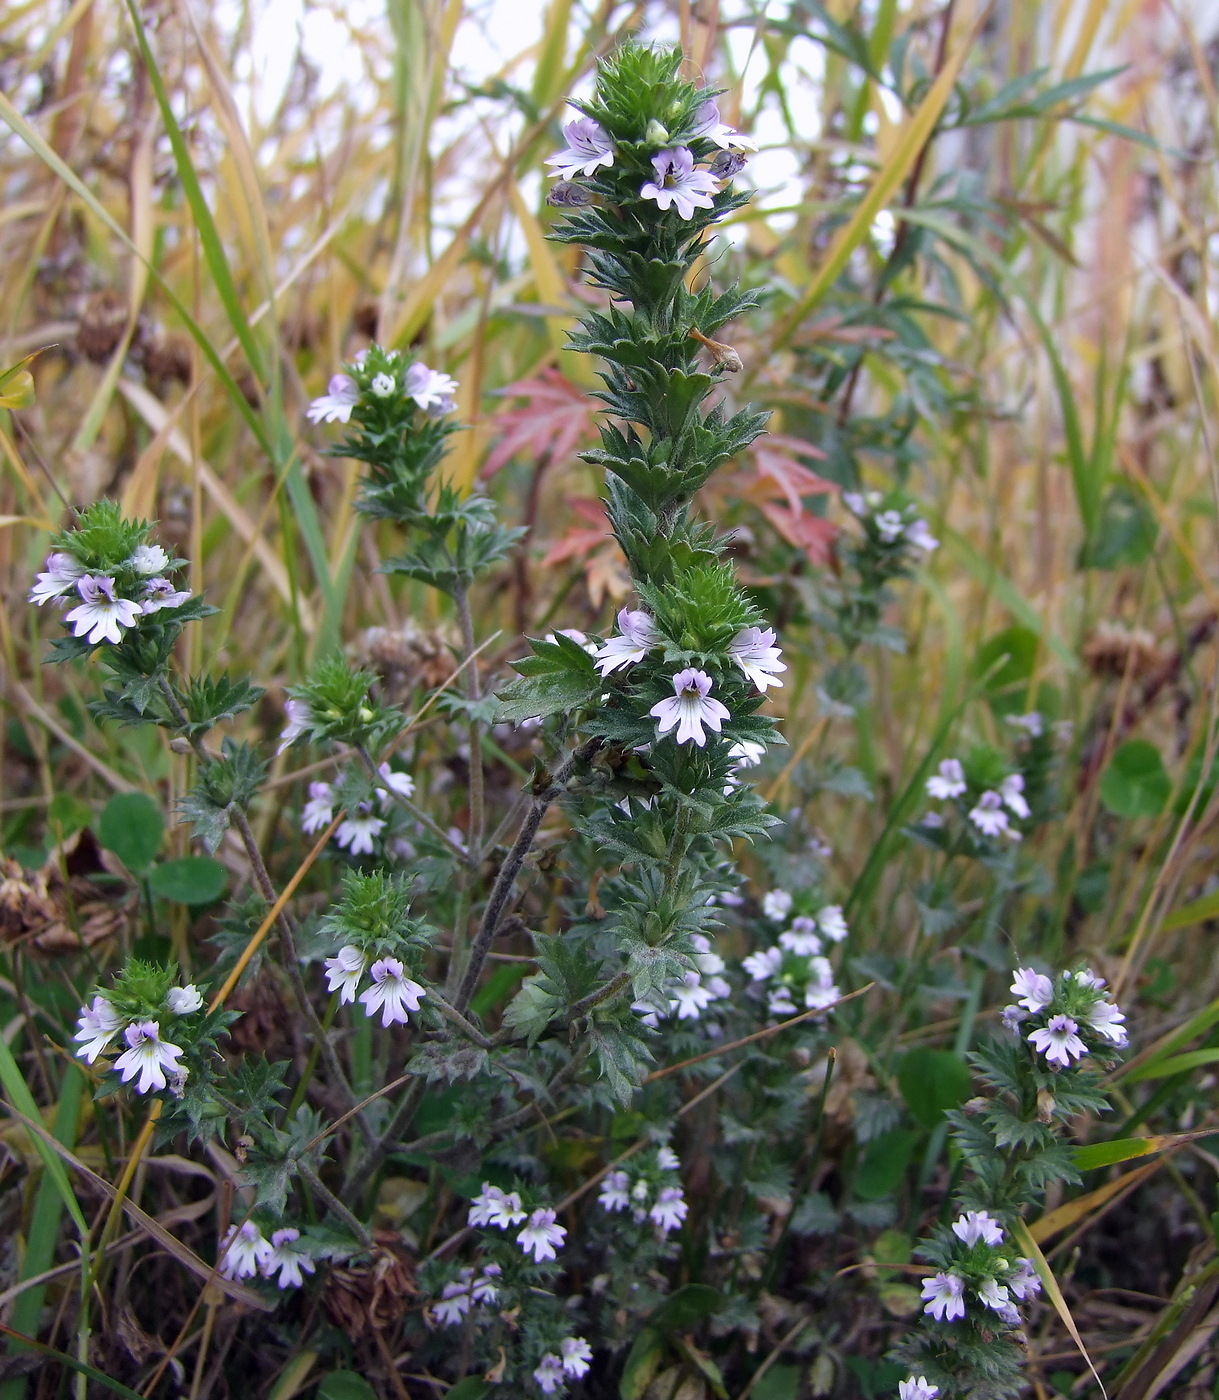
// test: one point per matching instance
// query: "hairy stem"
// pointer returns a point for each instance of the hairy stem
(544, 794)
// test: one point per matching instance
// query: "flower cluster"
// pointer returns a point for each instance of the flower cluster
(684, 714)
(541, 1237)
(991, 811)
(377, 380)
(357, 832)
(675, 180)
(112, 576)
(570, 1362)
(245, 1252)
(795, 973)
(155, 1062)
(393, 993)
(890, 521)
(649, 1188)
(978, 1268)
(688, 996)
(1065, 1018)
(466, 1291)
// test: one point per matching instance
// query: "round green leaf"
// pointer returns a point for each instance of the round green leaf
(131, 826)
(884, 1164)
(932, 1081)
(345, 1385)
(191, 880)
(1135, 784)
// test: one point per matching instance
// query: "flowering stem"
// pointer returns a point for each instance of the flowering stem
(333, 1204)
(545, 791)
(417, 812)
(474, 841)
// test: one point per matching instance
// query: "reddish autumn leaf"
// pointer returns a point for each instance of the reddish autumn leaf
(801, 528)
(605, 570)
(556, 417)
(774, 456)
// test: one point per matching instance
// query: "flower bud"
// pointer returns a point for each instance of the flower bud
(656, 134)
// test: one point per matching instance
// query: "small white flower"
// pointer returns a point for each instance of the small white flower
(670, 1208)
(343, 972)
(429, 388)
(549, 1374)
(392, 992)
(541, 1236)
(576, 1354)
(319, 809)
(779, 1002)
(288, 1261)
(1012, 1016)
(1085, 977)
(932, 820)
(707, 124)
(822, 991)
(689, 998)
(948, 781)
(890, 525)
(988, 816)
(689, 708)
(484, 1288)
(638, 637)
(1058, 1041)
(244, 1250)
(747, 753)
(762, 966)
(777, 905)
(994, 1295)
(97, 1027)
(358, 834)
(917, 1388)
(148, 559)
(588, 148)
(300, 717)
(1011, 790)
(832, 924)
(1023, 1281)
(754, 652)
(182, 1001)
(1031, 723)
(801, 938)
(383, 385)
(454, 1302)
(60, 579)
(147, 1055)
(401, 783)
(102, 614)
(1033, 990)
(335, 405)
(495, 1207)
(945, 1295)
(977, 1225)
(678, 184)
(918, 534)
(667, 1160)
(855, 503)
(1105, 1018)
(160, 593)
(614, 1194)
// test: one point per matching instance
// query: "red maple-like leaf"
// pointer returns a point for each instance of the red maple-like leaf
(556, 417)
(775, 456)
(605, 570)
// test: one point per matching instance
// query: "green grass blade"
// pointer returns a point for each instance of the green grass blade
(15, 1087)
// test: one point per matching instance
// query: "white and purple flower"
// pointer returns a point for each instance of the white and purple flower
(678, 184)
(638, 635)
(243, 1251)
(689, 708)
(344, 971)
(754, 652)
(945, 1296)
(1058, 1041)
(96, 1028)
(148, 1056)
(102, 615)
(335, 405)
(62, 573)
(948, 781)
(285, 1260)
(542, 1237)
(393, 993)
(589, 147)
